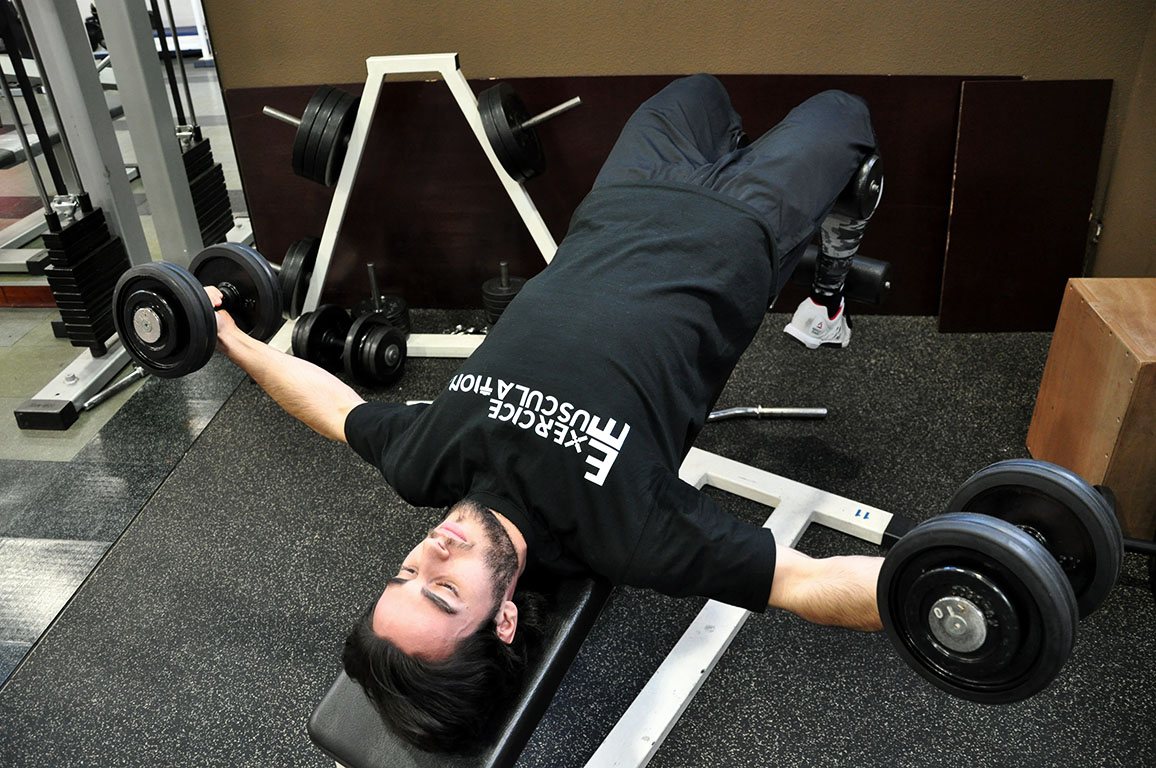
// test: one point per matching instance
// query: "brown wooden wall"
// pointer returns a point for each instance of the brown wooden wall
(427, 208)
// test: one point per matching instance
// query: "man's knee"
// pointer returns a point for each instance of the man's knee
(701, 90)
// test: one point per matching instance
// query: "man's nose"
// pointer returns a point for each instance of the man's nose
(438, 546)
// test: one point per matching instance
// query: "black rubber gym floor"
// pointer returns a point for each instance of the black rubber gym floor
(213, 625)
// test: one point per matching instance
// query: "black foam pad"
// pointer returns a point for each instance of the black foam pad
(346, 726)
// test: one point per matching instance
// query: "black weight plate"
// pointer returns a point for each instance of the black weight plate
(210, 216)
(184, 338)
(309, 169)
(80, 226)
(352, 356)
(296, 270)
(198, 166)
(305, 127)
(197, 150)
(383, 353)
(319, 336)
(209, 182)
(331, 151)
(394, 307)
(80, 248)
(517, 149)
(259, 309)
(1080, 528)
(105, 257)
(218, 232)
(494, 289)
(1029, 609)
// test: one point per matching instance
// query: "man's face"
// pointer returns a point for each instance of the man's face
(452, 582)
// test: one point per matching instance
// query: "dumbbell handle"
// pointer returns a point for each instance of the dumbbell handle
(230, 296)
(542, 117)
(284, 117)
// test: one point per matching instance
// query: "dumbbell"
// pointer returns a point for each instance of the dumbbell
(164, 317)
(322, 133)
(983, 601)
(510, 130)
(370, 349)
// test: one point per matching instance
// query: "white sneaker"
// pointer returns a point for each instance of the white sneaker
(813, 328)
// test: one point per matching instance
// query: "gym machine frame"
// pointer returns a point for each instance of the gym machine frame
(68, 64)
(447, 66)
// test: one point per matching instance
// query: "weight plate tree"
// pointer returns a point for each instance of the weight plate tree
(1073, 520)
(978, 607)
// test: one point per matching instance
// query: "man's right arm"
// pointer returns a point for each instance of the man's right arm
(307, 392)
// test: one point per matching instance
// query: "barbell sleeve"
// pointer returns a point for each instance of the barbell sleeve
(540, 118)
(284, 117)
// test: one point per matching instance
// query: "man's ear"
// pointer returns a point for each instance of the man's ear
(506, 621)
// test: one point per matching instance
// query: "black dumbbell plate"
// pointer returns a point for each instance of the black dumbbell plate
(259, 312)
(164, 319)
(997, 578)
(1078, 524)
(319, 336)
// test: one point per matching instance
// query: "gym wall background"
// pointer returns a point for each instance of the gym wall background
(307, 42)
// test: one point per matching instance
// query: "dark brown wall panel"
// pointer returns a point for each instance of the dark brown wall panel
(429, 211)
(1026, 164)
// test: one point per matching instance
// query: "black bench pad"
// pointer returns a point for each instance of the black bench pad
(347, 727)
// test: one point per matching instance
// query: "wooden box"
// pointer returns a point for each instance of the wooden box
(1096, 409)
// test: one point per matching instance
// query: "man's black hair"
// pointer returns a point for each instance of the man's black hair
(447, 705)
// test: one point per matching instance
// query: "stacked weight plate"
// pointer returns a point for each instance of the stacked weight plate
(210, 197)
(84, 263)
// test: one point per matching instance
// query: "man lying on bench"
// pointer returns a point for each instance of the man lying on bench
(559, 440)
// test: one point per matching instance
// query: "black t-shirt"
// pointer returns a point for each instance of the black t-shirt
(574, 414)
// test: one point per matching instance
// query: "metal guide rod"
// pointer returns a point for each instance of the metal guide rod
(22, 79)
(159, 28)
(637, 736)
(27, 148)
(50, 95)
(380, 67)
(181, 61)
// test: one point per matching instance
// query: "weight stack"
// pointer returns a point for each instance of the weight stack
(84, 262)
(210, 197)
